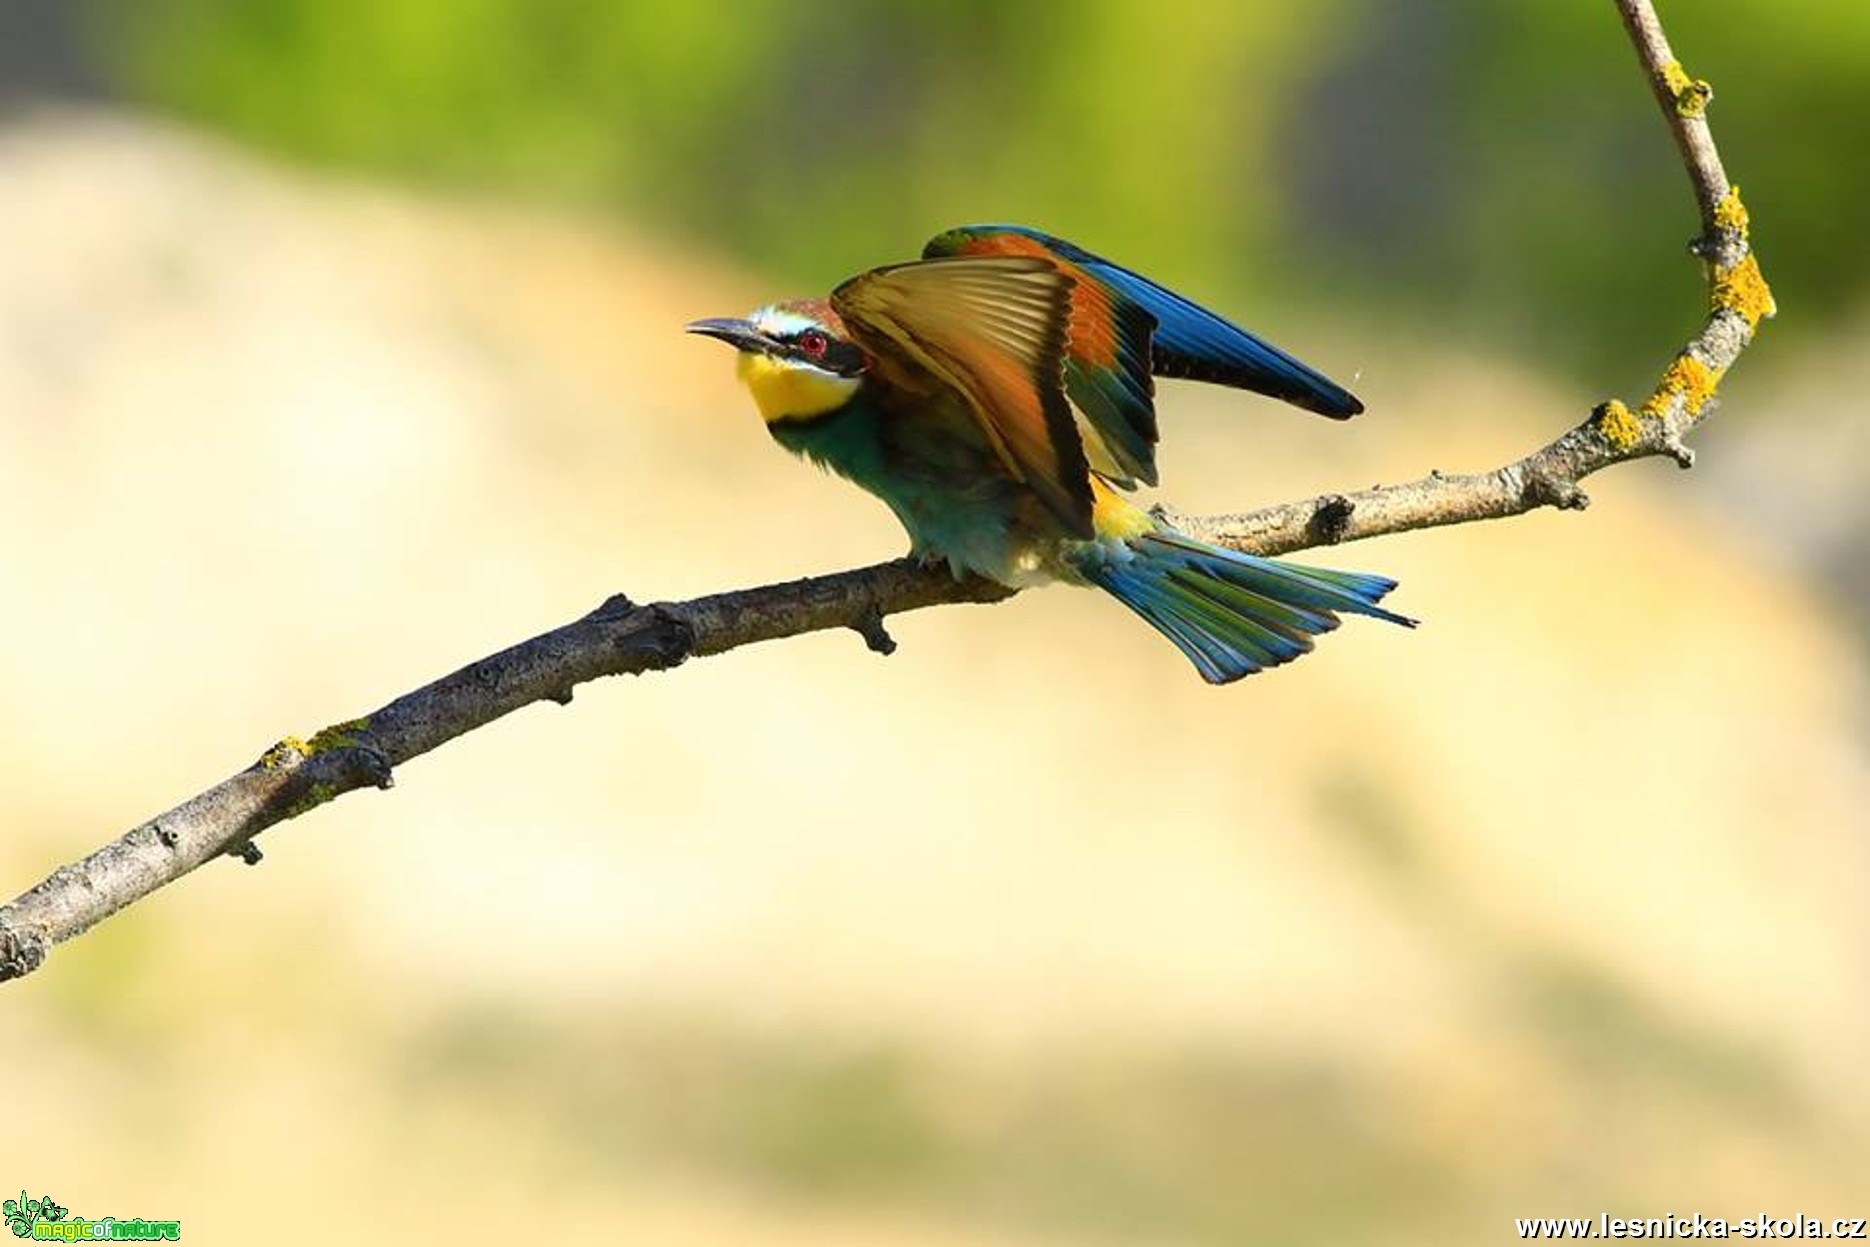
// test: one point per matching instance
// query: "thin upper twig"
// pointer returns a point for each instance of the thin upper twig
(297, 775)
(1684, 102)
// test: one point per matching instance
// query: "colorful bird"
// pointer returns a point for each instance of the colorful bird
(997, 393)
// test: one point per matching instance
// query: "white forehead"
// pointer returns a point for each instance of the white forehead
(778, 322)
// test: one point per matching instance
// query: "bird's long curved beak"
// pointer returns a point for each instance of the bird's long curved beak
(737, 333)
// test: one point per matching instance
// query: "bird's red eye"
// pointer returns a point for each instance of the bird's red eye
(814, 343)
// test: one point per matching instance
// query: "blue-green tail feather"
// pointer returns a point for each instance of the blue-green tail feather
(1234, 614)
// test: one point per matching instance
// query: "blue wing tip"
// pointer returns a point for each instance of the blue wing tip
(1336, 403)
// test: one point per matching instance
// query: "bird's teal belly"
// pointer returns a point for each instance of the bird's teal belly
(948, 489)
(975, 529)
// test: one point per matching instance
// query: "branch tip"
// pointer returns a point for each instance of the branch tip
(869, 626)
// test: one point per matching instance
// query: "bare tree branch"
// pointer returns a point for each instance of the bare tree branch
(1738, 298)
(296, 775)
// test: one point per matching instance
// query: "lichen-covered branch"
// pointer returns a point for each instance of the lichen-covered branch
(297, 775)
(1738, 299)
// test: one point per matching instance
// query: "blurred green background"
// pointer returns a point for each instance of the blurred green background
(1485, 165)
(339, 345)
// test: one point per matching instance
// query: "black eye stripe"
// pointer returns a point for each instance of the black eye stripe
(833, 355)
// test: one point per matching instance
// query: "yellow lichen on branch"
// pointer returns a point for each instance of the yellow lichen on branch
(1739, 287)
(291, 750)
(1618, 424)
(1742, 290)
(1731, 214)
(1691, 94)
(1687, 379)
(288, 751)
(344, 735)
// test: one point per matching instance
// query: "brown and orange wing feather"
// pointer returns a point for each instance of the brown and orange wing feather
(1107, 356)
(994, 329)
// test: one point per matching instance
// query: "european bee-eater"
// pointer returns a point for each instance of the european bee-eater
(997, 393)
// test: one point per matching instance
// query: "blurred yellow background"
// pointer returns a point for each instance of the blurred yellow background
(339, 345)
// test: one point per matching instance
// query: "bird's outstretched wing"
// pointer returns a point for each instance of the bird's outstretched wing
(1189, 341)
(1107, 353)
(992, 328)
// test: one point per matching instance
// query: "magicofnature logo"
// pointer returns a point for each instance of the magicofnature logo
(44, 1219)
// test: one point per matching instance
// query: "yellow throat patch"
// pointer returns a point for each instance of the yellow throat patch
(788, 391)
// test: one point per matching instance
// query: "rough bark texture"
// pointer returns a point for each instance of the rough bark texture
(295, 776)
